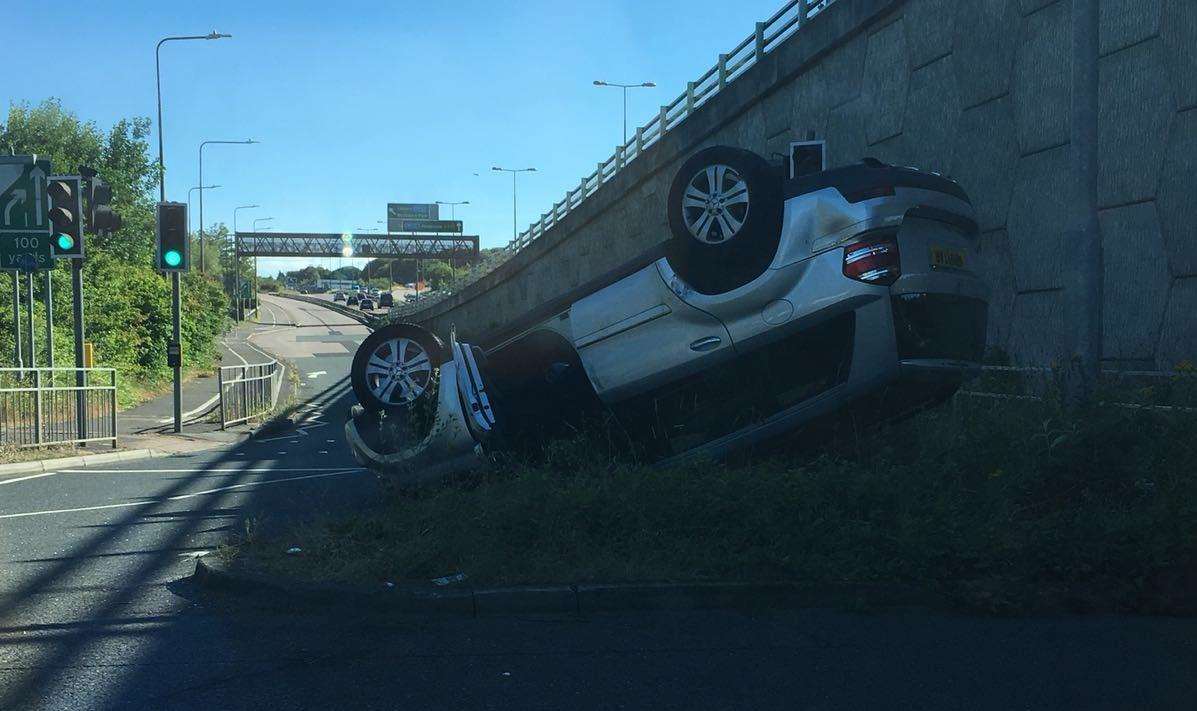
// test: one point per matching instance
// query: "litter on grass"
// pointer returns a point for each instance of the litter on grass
(449, 579)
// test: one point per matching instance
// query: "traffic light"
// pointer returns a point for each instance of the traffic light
(66, 216)
(96, 204)
(100, 216)
(174, 252)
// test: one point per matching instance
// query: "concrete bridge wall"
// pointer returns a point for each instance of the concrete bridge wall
(978, 89)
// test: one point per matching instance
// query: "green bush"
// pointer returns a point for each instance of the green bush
(127, 314)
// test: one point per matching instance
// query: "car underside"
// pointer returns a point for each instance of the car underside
(780, 301)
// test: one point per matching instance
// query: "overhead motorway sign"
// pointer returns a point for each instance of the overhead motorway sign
(397, 211)
(425, 226)
(24, 225)
(413, 211)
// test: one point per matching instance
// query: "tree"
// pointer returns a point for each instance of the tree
(438, 274)
(121, 156)
(127, 303)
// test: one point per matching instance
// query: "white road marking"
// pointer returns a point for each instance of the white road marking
(168, 471)
(180, 497)
(273, 313)
(26, 478)
(187, 415)
(239, 356)
(317, 374)
(196, 471)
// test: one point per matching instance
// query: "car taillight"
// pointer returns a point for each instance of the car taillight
(874, 261)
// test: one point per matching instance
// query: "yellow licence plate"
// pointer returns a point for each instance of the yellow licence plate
(947, 257)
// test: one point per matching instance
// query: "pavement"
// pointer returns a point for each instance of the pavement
(98, 609)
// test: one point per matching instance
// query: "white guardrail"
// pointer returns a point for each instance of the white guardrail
(792, 16)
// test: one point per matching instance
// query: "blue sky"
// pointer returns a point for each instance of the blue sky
(362, 103)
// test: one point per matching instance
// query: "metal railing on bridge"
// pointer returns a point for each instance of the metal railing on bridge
(766, 37)
(248, 391)
(50, 406)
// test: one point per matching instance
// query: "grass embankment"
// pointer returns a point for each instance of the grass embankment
(1002, 505)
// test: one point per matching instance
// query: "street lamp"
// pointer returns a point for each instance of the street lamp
(191, 190)
(625, 87)
(514, 172)
(77, 264)
(201, 200)
(452, 207)
(158, 76)
(237, 262)
(235, 209)
(256, 221)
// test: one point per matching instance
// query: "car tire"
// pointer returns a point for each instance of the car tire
(376, 388)
(724, 210)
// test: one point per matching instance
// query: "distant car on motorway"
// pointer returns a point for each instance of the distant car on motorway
(366, 304)
(386, 300)
(352, 300)
(779, 299)
(339, 296)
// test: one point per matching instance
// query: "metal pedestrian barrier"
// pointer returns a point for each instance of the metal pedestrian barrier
(248, 391)
(48, 406)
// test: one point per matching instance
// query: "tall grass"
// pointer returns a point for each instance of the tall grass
(1006, 504)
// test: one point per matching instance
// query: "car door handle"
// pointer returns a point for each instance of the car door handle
(705, 344)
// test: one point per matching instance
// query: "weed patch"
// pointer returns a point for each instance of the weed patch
(1008, 506)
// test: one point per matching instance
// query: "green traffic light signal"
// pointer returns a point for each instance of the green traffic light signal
(65, 216)
(172, 253)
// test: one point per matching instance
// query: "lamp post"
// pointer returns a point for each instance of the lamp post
(191, 190)
(158, 77)
(256, 221)
(452, 207)
(77, 264)
(201, 200)
(514, 172)
(367, 229)
(625, 87)
(453, 215)
(237, 311)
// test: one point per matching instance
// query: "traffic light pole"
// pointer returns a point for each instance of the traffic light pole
(77, 314)
(18, 352)
(48, 295)
(32, 342)
(176, 330)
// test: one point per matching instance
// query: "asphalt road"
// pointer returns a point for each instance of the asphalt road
(198, 393)
(96, 610)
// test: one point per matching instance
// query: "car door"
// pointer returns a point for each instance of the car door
(636, 335)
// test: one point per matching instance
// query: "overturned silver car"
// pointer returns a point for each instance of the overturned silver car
(780, 299)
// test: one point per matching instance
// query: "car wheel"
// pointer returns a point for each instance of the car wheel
(395, 366)
(725, 218)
